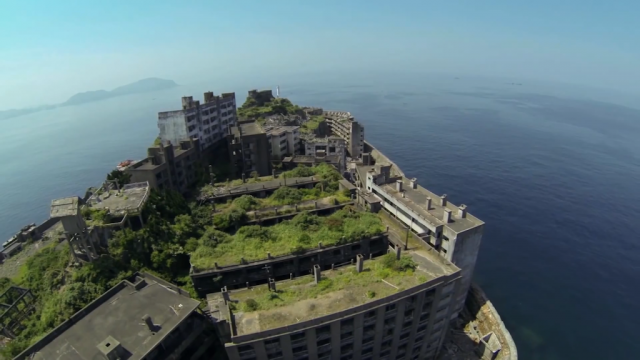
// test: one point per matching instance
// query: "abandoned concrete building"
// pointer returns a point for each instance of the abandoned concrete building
(208, 122)
(450, 229)
(261, 97)
(143, 318)
(292, 162)
(249, 273)
(260, 189)
(402, 316)
(169, 166)
(84, 242)
(343, 124)
(330, 146)
(284, 140)
(249, 149)
(123, 205)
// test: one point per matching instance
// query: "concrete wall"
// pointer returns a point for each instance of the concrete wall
(466, 246)
(172, 125)
(281, 267)
(489, 320)
(367, 332)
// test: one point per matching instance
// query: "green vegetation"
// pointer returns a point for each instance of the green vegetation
(312, 124)
(174, 231)
(61, 290)
(122, 177)
(280, 106)
(381, 277)
(95, 217)
(302, 232)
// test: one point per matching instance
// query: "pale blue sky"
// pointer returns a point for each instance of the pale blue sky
(50, 50)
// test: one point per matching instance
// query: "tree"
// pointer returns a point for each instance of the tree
(122, 177)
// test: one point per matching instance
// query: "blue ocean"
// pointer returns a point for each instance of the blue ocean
(552, 169)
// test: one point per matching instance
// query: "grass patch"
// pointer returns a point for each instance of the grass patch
(368, 284)
(301, 233)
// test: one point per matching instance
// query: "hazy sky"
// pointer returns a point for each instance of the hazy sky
(50, 50)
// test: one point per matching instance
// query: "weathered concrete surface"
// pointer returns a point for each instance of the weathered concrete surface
(479, 312)
(479, 318)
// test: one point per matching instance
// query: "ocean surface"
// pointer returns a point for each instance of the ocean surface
(553, 170)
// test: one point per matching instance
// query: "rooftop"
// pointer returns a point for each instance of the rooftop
(248, 129)
(262, 185)
(145, 164)
(301, 233)
(302, 299)
(130, 198)
(312, 159)
(415, 200)
(65, 207)
(118, 314)
(281, 129)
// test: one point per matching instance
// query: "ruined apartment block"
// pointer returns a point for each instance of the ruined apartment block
(208, 122)
(450, 229)
(344, 125)
(168, 166)
(249, 149)
(142, 318)
(285, 141)
(401, 316)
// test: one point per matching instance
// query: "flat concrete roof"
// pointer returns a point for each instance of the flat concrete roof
(281, 129)
(415, 199)
(130, 198)
(64, 207)
(118, 313)
(312, 159)
(262, 185)
(248, 129)
(145, 164)
(301, 299)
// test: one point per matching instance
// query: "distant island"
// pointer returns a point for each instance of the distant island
(141, 86)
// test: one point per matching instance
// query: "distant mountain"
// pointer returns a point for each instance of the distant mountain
(6, 114)
(142, 86)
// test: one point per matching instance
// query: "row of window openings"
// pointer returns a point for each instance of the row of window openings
(348, 323)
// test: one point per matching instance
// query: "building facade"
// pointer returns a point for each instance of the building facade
(331, 146)
(208, 122)
(343, 124)
(249, 149)
(285, 141)
(450, 229)
(408, 323)
(169, 167)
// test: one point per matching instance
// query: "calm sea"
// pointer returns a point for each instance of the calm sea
(553, 171)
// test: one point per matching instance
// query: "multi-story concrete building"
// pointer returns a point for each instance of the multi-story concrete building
(344, 125)
(168, 166)
(285, 141)
(209, 122)
(332, 146)
(249, 149)
(450, 229)
(358, 311)
(144, 318)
